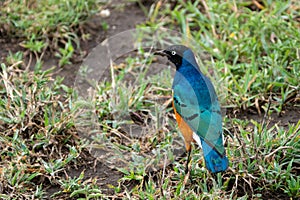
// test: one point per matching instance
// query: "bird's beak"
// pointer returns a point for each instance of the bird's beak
(161, 53)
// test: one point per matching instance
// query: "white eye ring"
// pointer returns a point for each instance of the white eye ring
(173, 53)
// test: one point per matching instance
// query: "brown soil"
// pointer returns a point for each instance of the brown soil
(289, 115)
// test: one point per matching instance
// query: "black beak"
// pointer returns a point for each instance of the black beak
(161, 53)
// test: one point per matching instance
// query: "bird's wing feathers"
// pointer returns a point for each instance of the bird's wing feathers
(200, 109)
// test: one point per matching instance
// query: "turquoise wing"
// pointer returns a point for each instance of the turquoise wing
(196, 102)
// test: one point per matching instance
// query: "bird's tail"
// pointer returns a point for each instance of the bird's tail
(213, 160)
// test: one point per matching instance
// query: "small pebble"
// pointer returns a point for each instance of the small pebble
(105, 13)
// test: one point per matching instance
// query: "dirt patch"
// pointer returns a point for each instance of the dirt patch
(8, 45)
(92, 169)
(124, 16)
(290, 115)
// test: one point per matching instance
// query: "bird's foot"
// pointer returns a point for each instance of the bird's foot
(187, 172)
(186, 178)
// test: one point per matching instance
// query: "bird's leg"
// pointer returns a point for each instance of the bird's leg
(187, 170)
(188, 161)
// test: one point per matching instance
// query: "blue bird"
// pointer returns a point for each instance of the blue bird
(196, 108)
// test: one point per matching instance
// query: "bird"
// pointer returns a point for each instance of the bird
(196, 107)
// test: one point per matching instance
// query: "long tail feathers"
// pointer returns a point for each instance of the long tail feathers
(213, 160)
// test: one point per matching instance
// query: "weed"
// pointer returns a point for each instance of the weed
(46, 25)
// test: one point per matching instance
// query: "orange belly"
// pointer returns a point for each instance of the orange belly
(186, 131)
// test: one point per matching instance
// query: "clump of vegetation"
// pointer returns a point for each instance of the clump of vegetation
(253, 46)
(37, 134)
(47, 25)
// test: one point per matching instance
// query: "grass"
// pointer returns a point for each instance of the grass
(257, 49)
(36, 130)
(52, 25)
(253, 62)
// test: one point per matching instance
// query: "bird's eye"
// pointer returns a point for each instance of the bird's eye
(173, 53)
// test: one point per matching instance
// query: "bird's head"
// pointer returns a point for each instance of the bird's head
(176, 54)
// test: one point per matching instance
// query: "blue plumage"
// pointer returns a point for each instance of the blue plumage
(196, 102)
(213, 161)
